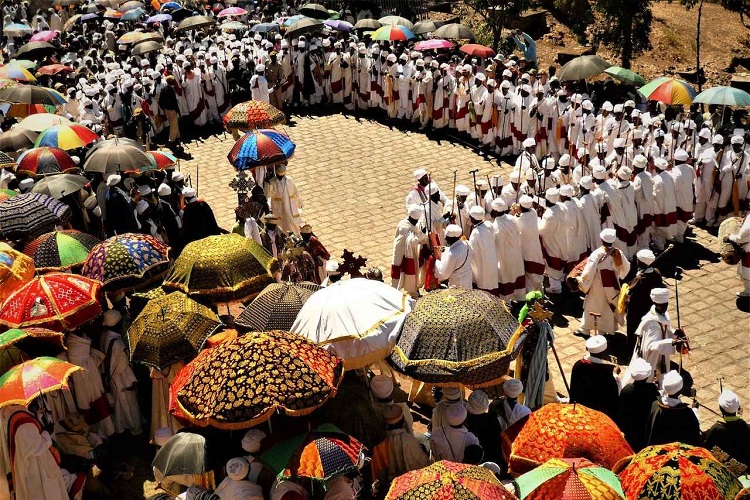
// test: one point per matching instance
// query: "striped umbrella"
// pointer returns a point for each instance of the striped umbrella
(16, 73)
(30, 215)
(162, 159)
(261, 147)
(723, 96)
(252, 115)
(66, 137)
(669, 90)
(60, 250)
(127, 261)
(24, 382)
(390, 32)
(569, 479)
(45, 160)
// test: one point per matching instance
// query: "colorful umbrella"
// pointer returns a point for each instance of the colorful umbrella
(129, 260)
(583, 67)
(448, 480)
(261, 147)
(669, 90)
(723, 96)
(42, 121)
(569, 479)
(625, 76)
(458, 336)
(30, 215)
(44, 36)
(454, 31)
(433, 44)
(396, 21)
(242, 382)
(232, 11)
(276, 307)
(171, 6)
(426, 26)
(390, 32)
(251, 115)
(60, 185)
(293, 19)
(44, 160)
(66, 137)
(564, 431)
(58, 301)
(116, 157)
(24, 382)
(224, 268)
(476, 50)
(170, 329)
(60, 250)
(358, 319)
(162, 159)
(319, 455)
(677, 471)
(17, 138)
(30, 94)
(24, 110)
(33, 340)
(5, 194)
(16, 269)
(16, 73)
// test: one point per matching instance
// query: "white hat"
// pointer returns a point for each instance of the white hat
(381, 387)
(453, 231)
(629, 104)
(681, 155)
(237, 468)
(587, 105)
(188, 192)
(624, 173)
(659, 295)
(141, 207)
(164, 190)
(260, 68)
(505, 84)
(635, 113)
(672, 382)
(507, 73)
(640, 369)
(498, 204)
(640, 161)
(419, 173)
(456, 414)
(251, 440)
(161, 436)
(476, 212)
(415, 211)
(526, 201)
(178, 176)
(617, 108)
(564, 160)
(607, 106)
(144, 190)
(552, 195)
(462, 190)
(729, 401)
(738, 139)
(646, 256)
(113, 180)
(599, 172)
(586, 182)
(548, 163)
(452, 393)
(530, 174)
(596, 344)
(478, 403)
(496, 180)
(608, 235)
(526, 88)
(705, 133)
(512, 388)
(26, 184)
(567, 190)
(515, 176)
(480, 76)
(660, 163)
(111, 317)
(619, 143)
(529, 142)
(717, 139)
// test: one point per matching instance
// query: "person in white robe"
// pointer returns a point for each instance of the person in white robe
(522, 122)
(454, 265)
(512, 410)
(362, 79)
(234, 486)
(348, 74)
(161, 381)
(404, 73)
(451, 396)
(511, 192)
(505, 106)
(707, 173)
(259, 84)
(405, 261)
(284, 200)
(574, 226)
(655, 338)
(511, 275)
(559, 124)
(554, 237)
(192, 86)
(742, 239)
(483, 251)
(449, 441)
(643, 185)
(399, 452)
(528, 228)
(684, 179)
(463, 96)
(457, 210)
(665, 209)
(489, 117)
(623, 212)
(335, 75)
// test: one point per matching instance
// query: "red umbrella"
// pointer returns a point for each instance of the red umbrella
(476, 50)
(53, 69)
(44, 160)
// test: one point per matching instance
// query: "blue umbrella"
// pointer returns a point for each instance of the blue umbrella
(291, 20)
(265, 27)
(89, 17)
(723, 96)
(339, 25)
(17, 29)
(171, 6)
(133, 14)
(159, 18)
(261, 147)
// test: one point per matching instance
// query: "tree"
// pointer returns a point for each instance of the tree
(625, 25)
(496, 14)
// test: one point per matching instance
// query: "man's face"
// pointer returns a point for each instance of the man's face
(424, 180)
(661, 308)
(270, 226)
(737, 147)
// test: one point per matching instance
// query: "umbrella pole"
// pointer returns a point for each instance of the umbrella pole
(557, 358)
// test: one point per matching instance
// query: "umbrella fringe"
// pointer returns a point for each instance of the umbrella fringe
(26, 402)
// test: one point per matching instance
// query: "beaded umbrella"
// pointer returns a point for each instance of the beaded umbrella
(276, 307)
(251, 115)
(60, 250)
(262, 147)
(30, 215)
(45, 160)
(448, 480)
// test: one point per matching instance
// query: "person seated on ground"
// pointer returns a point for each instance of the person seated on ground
(593, 379)
(671, 420)
(450, 441)
(484, 425)
(508, 409)
(635, 402)
(381, 389)
(729, 439)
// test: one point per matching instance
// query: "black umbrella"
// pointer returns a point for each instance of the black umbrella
(304, 26)
(276, 307)
(31, 215)
(454, 31)
(314, 10)
(179, 15)
(35, 50)
(194, 23)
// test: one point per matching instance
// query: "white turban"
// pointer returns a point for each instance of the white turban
(659, 295)
(513, 388)
(729, 401)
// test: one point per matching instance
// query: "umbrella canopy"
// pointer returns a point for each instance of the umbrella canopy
(448, 480)
(53, 69)
(146, 47)
(36, 50)
(458, 336)
(58, 301)
(5, 194)
(232, 11)
(42, 121)
(291, 20)
(17, 138)
(133, 14)
(161, 159)
(60, 250)
(264, 27)
(303, 26)
(24, 382)
(185, 454)
(393, 32)
(338, 25)
(130, 5)
(242, 382)
(66, 137)
(30, 215)
(44, 36)
(315, 10)
(476, 50)
(358, 319)
(678, 471)
(224, 268)
(112, 14)
(159, 18)
(319, 455)
(44, 160)
(171, 6)
(367, 24)
(569, 478)
(564, 431)
(426, 26)
(625, 76)
(723, 96)
(60, 185)
(396, 21)
(252, 115)
(30, 94)
(433, 44)
(6, 161)
(194, 23)
(169, 329)
(16, 269)
(116, 158)
(669, 90)
(130, 260)
(276, 307)
(16, 73)
(24, 63)
(138, 36)
(263, 147)
(24, 110)
(583, 67)
(17, 29)
(115, 141)
(33, 340)
(454, 31)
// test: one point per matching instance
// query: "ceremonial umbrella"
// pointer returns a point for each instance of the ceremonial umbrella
(669, 90)
(146, 47)
(224, 268)
(159, 18)
(723, 96)
(625, 76)
(24, 382)
(161, 160)
(303, 26)
(44, 36)
(53, 69)
(250, 115)
(36, 50)
(678, 471)
(170, 329)
(569, 479)
(393, 32)
(319, 455)
(339, 25)
(315, 10)
(70, 22)
(232, 11)
(179, 14)
(42, 121)
(458, 336)
(17, 29)
(242, 382)
(16, 73)
(187, 454)
(30, 215)
(358, 319)
(58, 301)
(396, 21)
(116, 158)
(17, 138)
(583, 67)
(454, 31)
(263, 147)
(426, 26)
(16, 269)
(60, 185)
(45, 160)
(129, 260)
(7, 162)
(564, 431)
(433, 44)
(276, 307)
(194, 23)
(31, 94)
(444, 480)
(367, 24)
(264, 27)
(66, 137)
(23, 110)
(33, 341)
(60, 250)
(476, 50)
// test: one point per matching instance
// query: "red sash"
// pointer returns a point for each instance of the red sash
(555, 263)
(684, 215)
(408, 266)
(15, 421)
(510, 288)
(665, 220)
(337, 86)
(532, 267)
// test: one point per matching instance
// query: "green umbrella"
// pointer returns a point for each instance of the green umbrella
(60, 250)
(724, 96)
(625, 75)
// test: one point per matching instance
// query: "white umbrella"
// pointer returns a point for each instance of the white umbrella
(42, 121)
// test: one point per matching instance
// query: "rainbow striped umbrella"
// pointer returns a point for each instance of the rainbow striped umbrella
(261, 147)
(45, 160)
(66, 137)
(24, 382)
(393, 32)
(669, 90)
(17, 73)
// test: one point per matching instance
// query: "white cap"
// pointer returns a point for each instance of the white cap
(164, 190)
(415, 211)
(161, 436)
(705, 133)
(496, 180)
(738, 139)
(564, 160)
(515, 176)
(681, 155)
(237, 468)
(113, 180)
(456, 414)
(640, 369)
(624, 173)
(381, 387)
(599, 172)
(141, 207)
(178, 176)
(608, 235)
(111, 317)
(251, 440)
(629, 104)
(552, 195)
(476, 212)
(729, 401)
(587, 105)
(144, 190)
(640, 161)
(529, 142)
(617, 108)
(646, 256)
(548, 163)
(478, 403)
(462, 190)
(26, 184)
(453, 231)
(717, 139)
(586, 182)
(619, 143)
(607, 106)
(526, 201)
(498, 204)
(596, 344)
(188, 192)
(419, 173)
(260, 68)
(672, 382)
(567, 190)
(452, 393)
(660, 163)
(512, 388)
(659, 295)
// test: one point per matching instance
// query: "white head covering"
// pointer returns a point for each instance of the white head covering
(646, 256)
(738, 139)
(161, 436)
(462, 190)
(513, 388)
(640, 369)
(526, 201)
(251, 440)
(586, 182)
(515, 176)
(659, 295)
(729, 401)
(381, 386)
(476, 212)
(552, 195)
(498, 204)
(113, 180)
(164, 190)
(237, 468)
(452, 393)
(660, 163)
(564, 160)
(456, 414)
(111, 317)
(415, 211)
(478, 403)
(681, 155)
(640, 161)
(529, 142)
(567, 190)
(599, 172)
(453, 231)
(419, 173)
(608, 235)
(596, 344)
(672, 382)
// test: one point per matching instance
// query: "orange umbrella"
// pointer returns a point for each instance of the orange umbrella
(24, 382)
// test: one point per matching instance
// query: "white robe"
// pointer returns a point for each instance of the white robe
(127, 414)
(555, 238)
(454, 265)
(449, 443)
(196, 104)
(684, 178)
(600, 281)
(643, 185)
(483, 256)
(656, 335)
(405, 268)
(590, 211)
(160, 383)
(511, 275)
(531, 249)
(665, 210)
(285, 203)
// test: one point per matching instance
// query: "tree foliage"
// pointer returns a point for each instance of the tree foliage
(741, 7)
(625, 26)
(496, 14)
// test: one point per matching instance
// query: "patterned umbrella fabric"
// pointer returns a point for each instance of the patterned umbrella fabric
(33, 341)
(16, 73)
(224, 268)
(30, 215)
(276, 307)
(241, 383)
(669, 90)
(170, 329)
(42, 121)
(7, 193)
(60, 185)
(31, 94)
(45, 160)
(677, 471)
(358, 319)
(251, 115)
(564, 431)
(448, 480)
(569, 479)
(16, 269)
(129, 260)
(66, 137)
(162, 159)
(60, 250)
(723, 96)
(458, 336)
(58, 301)
(22, 383)
(6, 161)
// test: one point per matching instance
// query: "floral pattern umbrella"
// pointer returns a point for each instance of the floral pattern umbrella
(276, 307)
(30, 215)
(251, 115)
(129, 260)
(24, 382)
(569, 479)
(448, 480)
(60, 250)
(241, 383)
(45, 160)
(261, 147)
(677, 471)
(16, 269)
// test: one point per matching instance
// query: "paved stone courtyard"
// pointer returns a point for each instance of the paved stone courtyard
(353, 176)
